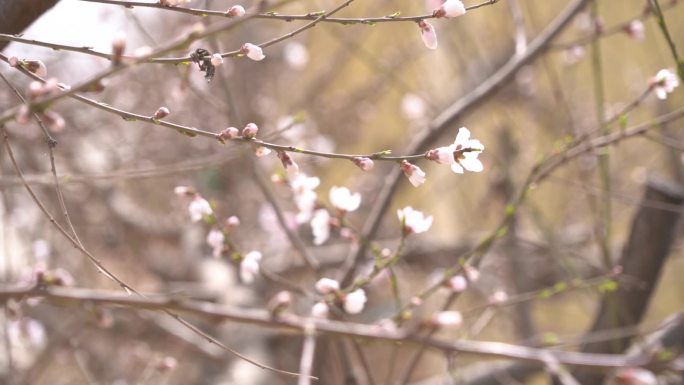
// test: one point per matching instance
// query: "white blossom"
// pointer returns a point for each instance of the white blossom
(199, 208)
(451, 8)
(215, 239)
(249, 267)
(320, 226)
(450, 318)
(664, 83)
(320, 310)
(342, 199)
(253, 52)
(414, 221)
(355, 301)
(327, 286)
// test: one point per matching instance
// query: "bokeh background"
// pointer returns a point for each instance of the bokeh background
(337, 88)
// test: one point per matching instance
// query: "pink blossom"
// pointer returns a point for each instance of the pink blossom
(451, 318)
(355, 301)
(664, 82)
(327, 286)
(414, 221)
(320, 226)
(428, 34)
(249, 267)
(253, 52)
(343, 200)
(414, 174)
(232, 222)
(450, 8)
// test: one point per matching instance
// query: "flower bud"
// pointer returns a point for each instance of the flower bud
(232, 223)
(167, 364)
(279, 303)
(118, 47)
(365, 164)
(228, 133)
(428, 34)
(253, 52)
(449, 318)
(291, 167)
(320, 310)
(250, 131)
(161, 113)
(13, 61)
(36, 66)
(235, 11)
(216, 59)
(327, 286)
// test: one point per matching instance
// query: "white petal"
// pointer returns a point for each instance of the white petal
(455, 167)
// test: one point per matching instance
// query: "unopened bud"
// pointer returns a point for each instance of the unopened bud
(235, 11)
(55, 121)
(250, 131)
(161, 113)
(13, 61)
(228, 134)
(216, 59)
(23, 115)
(118, 47)
(36, 66)
(365, 164)
(279, 303)
(232, 223)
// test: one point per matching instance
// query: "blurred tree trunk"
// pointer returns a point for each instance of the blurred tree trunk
(651, 237)
(17, 15)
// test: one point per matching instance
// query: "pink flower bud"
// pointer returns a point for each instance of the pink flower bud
(414, 174)
(365, 164)
(23, 115)
(54, 121)
(280, 302)
(232, 223)
(253, 52)
(327, 286)
(457, 283)
(635, 30)
(236, 11)
(36, 66)
(13, 61)
(161, 113)
(216, 59)
(118, 47)
(228, 133)
(250, 131)
(428, 34)
(291, 167)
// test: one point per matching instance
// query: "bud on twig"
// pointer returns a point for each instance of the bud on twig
(235, 11)
(228, 134)
(365, 164)
(118, 47)
(250, 131)
(161, 113)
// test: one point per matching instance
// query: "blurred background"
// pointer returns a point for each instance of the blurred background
(334, 88)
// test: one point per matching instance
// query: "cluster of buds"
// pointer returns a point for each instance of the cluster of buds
(36, 91)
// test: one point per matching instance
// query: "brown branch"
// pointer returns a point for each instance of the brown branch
(16, 16)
